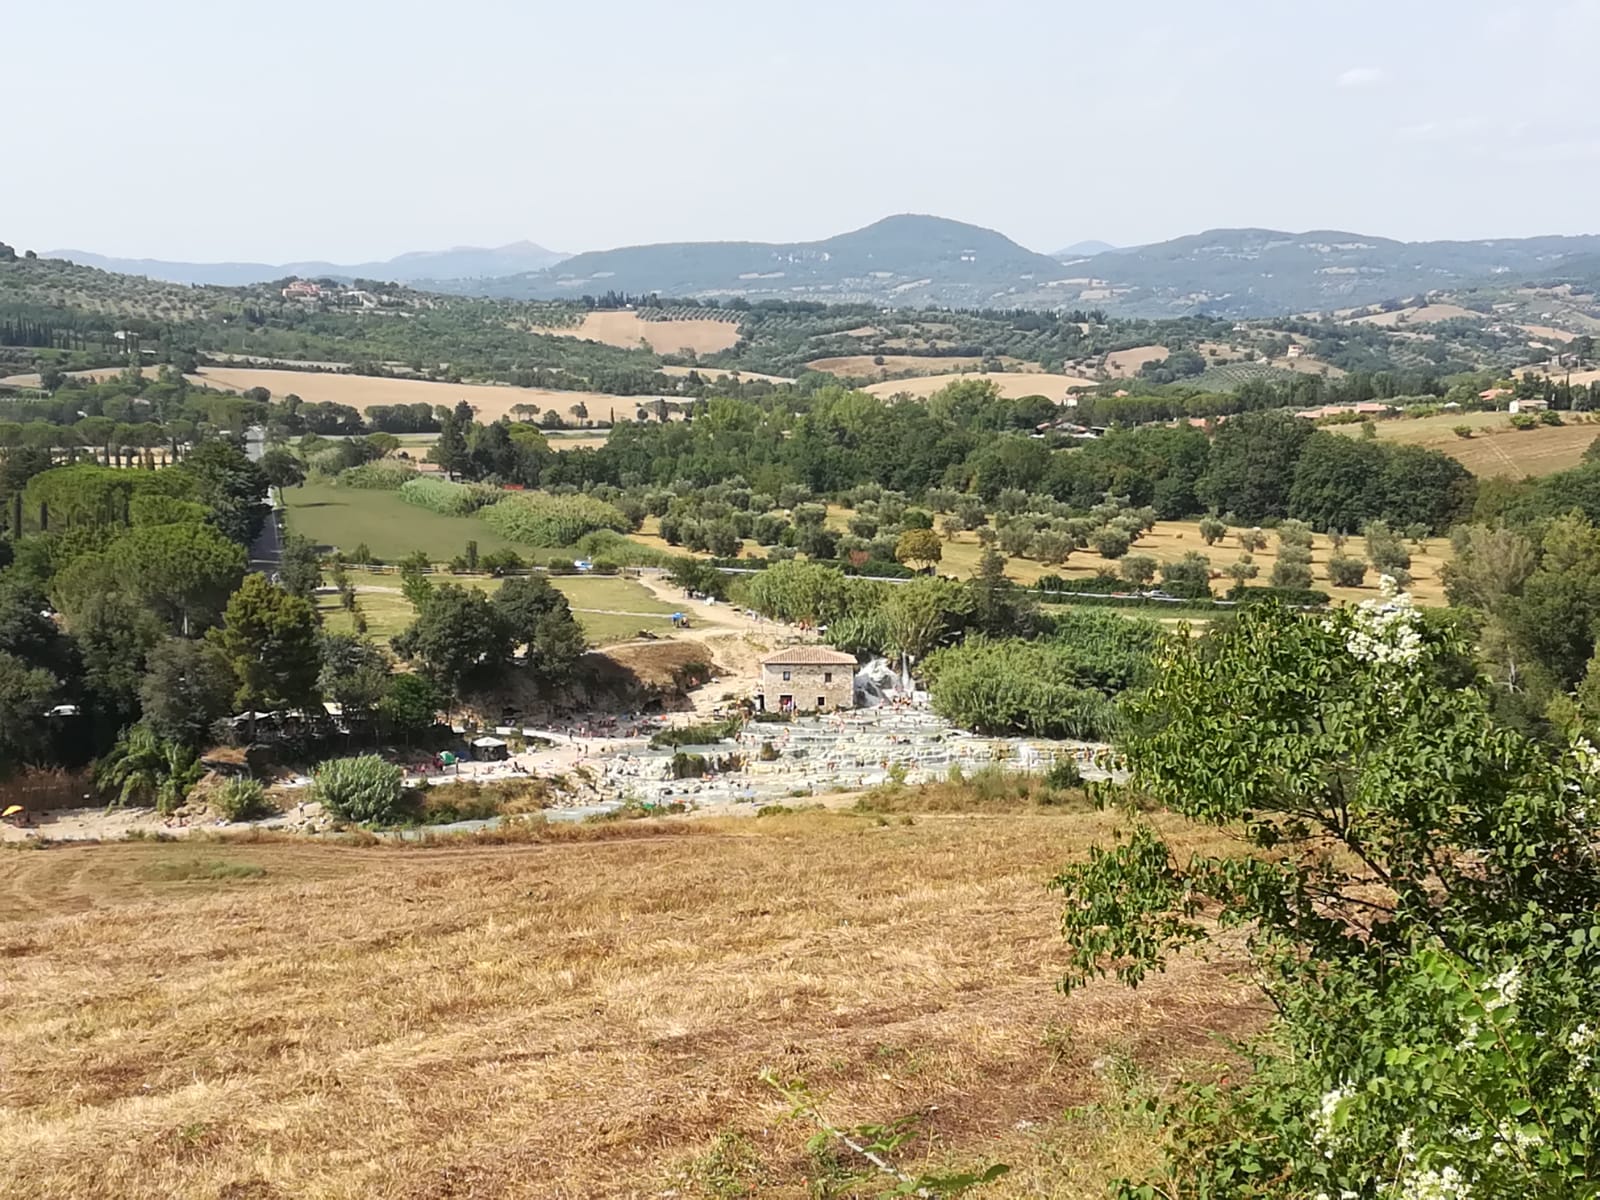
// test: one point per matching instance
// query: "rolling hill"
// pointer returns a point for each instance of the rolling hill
(1267, 272)
(417, 266)
(901, 260)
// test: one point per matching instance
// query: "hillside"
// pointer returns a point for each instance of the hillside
(1267, 272)
(903, 260)
(460, 262)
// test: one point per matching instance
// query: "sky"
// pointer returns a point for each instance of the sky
(351, 130)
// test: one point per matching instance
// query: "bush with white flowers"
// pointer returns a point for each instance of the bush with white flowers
(1420, 893)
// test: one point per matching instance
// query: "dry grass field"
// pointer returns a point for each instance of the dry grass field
(1171, 540)
(1424, 315)
(716, 373)
(626, 330)
(588, 1017)
(490, 401)
(1128, 362)
(1011, 383)
(1494, 448)
(865, 366)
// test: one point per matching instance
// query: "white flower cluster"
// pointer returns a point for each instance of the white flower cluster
(1503, 989)
(1386, 631)
(1322, 1119)
(1446, 1183)
(1581, 1042)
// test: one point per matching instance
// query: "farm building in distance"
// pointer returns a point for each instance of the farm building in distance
(807, 678)
(1532, 404)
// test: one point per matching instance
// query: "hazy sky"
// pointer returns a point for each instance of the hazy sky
(352, 129)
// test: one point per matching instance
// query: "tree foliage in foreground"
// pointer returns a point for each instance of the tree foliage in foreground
(1418, 891)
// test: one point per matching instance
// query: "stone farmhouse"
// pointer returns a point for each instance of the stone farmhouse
(806, 679)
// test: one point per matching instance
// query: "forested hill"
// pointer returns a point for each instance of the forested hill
(902, 260)
(911, 261)
(417, 266)
(1266, 272)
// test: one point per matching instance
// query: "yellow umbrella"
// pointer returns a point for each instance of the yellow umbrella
(12, 811)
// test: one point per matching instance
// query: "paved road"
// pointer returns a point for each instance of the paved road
(266, 552)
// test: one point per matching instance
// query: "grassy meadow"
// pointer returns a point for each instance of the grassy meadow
(608, 608)
(585, 1017)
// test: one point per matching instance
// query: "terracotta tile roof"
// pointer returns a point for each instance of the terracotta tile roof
(808, 656)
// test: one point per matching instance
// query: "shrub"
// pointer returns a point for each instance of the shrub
(1385, 548)
(365, 790)
(446, 498)
(1287, 574)
(240, 800)
(385, 475)
(1461, 431)
(1346, 571)
(1138, 569)
(1524, 421)
(1212, 530)
(542, 520)
(1064, 773)
(1110, 542)
(1190, 576)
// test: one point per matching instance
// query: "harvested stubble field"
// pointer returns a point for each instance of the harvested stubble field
(1011, 383)
(489, 401)
(866, 366)
(626, 330)
(583, 1018)
(1494, 448)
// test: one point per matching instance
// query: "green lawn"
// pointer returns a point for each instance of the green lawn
(391, 528)
(388, 613)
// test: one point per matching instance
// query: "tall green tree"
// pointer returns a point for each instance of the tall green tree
(537, 616)
(187, 687)
(1252, 464)
(458, 637)
(269, 639)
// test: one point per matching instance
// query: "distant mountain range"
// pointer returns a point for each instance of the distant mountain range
(903, 260)
(1266, 272)
(911, 260)
(1084, 249)
(418, 266)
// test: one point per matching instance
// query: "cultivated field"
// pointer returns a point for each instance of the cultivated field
(1494, 447)
(716, 373)
(588, 1017)
(865, 366)
(625, 329)
(489, 401)
(1128, 362)
(1011, 383)
(1427, 314)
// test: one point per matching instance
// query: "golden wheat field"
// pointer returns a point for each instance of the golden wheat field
(1494, 448)
(1010, 383)
(588, 1017)
(490, 401)
(625, 329)
(866, 366)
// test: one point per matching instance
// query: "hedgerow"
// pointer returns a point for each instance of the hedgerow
(540, 520)
(446, 498)
(383, 476)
